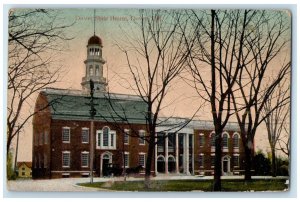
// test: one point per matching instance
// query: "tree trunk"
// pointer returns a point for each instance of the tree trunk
(273, 162)
(149, 162)
(248, 162)
(218, 166)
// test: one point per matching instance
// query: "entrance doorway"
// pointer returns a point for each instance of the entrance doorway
(161, 164)
(171, 164)
(106, 160)
(226, 165)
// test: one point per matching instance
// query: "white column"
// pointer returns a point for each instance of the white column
(166, 153)
(187, 153)
(193, 154)
(101, 166)
(177, 154)
(184, 153)
(155, 161)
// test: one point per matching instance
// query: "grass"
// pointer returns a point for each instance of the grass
(189, 185)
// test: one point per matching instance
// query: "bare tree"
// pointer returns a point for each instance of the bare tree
(277, 109)
(284, 142)
(216, 54)
(155, 56)
(267, 37)
(35, 37)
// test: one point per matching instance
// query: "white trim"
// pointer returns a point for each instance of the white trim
(88, 159)
(161, 156)
(110, 134)
(128, 160)
(69, 171)
(212, 133)
(126, 134)
(225, 148)
(171, 156)
(62, 159)
(202, 166)
(140, 139)
(236, 149)
(62, 135)
(88, 135)
(236, 133)
(201, 135)
(142, 154)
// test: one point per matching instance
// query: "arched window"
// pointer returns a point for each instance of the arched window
(236, 140)
(97, 70)
(106, 156)
(160, 159)
(213, 139)
(91, 70)
(106, 138)
(201, 140)
(171, 158)
(225, 140)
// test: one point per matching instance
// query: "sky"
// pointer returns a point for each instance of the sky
(110, 25)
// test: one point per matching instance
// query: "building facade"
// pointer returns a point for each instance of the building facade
(62, 133)
(24, 169)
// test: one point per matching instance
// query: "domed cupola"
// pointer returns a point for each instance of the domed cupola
(94, 66)
(95, 40)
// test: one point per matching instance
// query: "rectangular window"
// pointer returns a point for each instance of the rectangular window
(142, 137)
(126, 159)
(212, 158)
(126, 136)
(105, 139)
(142, 158)
(23, 173)
(99, 136)
(40, 161)
(85, 135)
(236, 161)
(45, 161)
(84, 159)
(112, 139)
(201, 140)
(66, 135)
(46, 136)
(41, 139)
(66, 159)
(201, 160)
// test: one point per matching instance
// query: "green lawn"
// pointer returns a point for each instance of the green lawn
(189, 185)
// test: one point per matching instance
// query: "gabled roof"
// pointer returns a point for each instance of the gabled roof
(27, 163)
(74, 105)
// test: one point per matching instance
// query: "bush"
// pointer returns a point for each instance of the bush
(11, 175)
(262, 165)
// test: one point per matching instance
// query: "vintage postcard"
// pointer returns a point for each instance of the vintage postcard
(148, 100)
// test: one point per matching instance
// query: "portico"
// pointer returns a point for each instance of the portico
(174, 151)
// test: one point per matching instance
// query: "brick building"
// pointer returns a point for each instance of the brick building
(62, 125)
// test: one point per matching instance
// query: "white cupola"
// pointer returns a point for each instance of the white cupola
(94, 66)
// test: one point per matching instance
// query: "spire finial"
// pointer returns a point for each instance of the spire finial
(94, 21)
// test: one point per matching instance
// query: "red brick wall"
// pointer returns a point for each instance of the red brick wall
(76, 146)
(41, 124)
(206, 150)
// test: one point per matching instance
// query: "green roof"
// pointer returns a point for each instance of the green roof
(68, 105)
